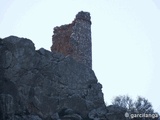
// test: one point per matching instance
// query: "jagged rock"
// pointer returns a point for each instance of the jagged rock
(27, 117)
(116, 113)
(6, 106)
(57, 85)
(38, 84)
(98, 114)
(55, 116)
(72, 117)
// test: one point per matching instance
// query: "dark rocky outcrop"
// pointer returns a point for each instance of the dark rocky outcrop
(44, 85)
(57, 85)
(116, 113)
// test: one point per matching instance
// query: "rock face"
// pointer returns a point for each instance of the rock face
(116, 113)
(44, 85)
(75, 39)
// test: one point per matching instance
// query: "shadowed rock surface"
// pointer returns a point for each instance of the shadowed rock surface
(57, 85)
(44, 85)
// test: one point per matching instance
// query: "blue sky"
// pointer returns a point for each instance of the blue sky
(125, 38)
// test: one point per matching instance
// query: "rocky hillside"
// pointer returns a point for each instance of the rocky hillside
(44, 85)
(57, 85)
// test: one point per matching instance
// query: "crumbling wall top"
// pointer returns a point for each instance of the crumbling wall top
(83, 16)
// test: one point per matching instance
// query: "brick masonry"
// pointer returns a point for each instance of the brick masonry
(75, 39)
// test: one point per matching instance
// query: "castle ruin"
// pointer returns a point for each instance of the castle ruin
(75, 39)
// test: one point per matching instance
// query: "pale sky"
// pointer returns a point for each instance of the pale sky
(125, 39)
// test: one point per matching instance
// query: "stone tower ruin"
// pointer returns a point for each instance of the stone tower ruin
(75, 39)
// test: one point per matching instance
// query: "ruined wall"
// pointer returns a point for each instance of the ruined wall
(75, 39)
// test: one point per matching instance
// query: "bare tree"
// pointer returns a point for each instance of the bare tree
(123, 101)
(142, 105)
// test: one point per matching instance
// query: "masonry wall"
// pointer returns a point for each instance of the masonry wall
(75, 39)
